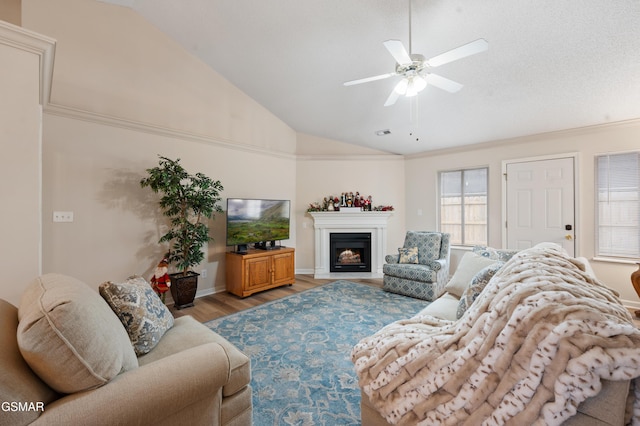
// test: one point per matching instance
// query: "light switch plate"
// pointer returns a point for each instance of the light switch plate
(63, 216)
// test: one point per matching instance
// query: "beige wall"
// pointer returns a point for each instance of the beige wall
(421, 181)
(21, 55)
(119, 99)
(94, 170)
(349, 168)
(11, 11)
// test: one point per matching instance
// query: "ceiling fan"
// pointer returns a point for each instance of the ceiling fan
(415, 70)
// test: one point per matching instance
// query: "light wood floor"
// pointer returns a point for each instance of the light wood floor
(220, 304)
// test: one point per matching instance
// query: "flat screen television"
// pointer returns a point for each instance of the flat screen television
(257, 222)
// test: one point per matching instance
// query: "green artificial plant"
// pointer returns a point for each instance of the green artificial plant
(188, 201)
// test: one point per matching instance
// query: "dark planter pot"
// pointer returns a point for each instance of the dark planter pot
(183, 289)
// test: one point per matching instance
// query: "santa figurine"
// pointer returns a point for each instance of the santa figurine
(160, 281)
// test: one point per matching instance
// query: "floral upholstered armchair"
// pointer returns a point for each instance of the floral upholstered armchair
(421, 267)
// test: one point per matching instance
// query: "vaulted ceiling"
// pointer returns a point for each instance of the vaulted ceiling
(551, 65)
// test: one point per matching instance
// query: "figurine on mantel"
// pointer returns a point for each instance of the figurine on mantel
(346, 200)
(367, 203)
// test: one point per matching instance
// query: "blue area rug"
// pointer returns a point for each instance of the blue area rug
(300, 350)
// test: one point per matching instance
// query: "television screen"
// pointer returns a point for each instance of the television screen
(252, 221)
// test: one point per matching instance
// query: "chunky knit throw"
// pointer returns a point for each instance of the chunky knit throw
(535, 344)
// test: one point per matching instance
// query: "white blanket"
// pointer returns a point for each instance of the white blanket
(533, 346)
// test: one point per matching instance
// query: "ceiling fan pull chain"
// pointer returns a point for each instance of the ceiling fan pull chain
(414, 113)
(410, 44)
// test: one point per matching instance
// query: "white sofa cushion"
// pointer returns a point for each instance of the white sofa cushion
(470, 264)
(444, 307)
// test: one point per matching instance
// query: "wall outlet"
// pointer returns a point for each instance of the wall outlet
(63, 216)
(203, 273)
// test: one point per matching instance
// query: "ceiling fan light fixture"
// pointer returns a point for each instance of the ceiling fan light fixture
(402, 86)
(415, 85)
(411, 90)
(419, 83)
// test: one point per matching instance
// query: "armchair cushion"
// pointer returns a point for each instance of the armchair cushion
(409, 271)
(408, 255)
(70, 337)
(140, 310)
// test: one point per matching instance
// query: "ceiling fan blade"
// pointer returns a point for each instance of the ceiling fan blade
(368, 79)
(393, 97)
(397, 50)
(463, 51)
(443, 83)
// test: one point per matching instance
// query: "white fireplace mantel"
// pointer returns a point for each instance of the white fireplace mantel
(326, 223)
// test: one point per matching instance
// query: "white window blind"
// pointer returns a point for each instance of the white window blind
(463, 205)
(618, 205)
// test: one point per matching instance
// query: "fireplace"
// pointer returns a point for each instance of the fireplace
(350, 252)
(327, 223)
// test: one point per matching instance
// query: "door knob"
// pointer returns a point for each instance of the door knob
(568, 237)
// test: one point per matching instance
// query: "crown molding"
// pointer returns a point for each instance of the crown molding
(137, 126)
(106, 120)
(528, 138)
(42, 46)
(350, 157)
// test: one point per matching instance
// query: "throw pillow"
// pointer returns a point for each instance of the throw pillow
(69, 336)
(495, 254)
(140, 310)
(408, 255)
(469, 266)
(478, 283)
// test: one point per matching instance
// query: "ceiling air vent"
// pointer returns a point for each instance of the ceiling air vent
(383, 132)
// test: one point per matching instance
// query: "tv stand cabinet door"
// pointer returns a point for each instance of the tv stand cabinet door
(283, 268)
(257, 273)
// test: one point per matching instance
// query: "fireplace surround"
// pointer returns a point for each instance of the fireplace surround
(325, 223)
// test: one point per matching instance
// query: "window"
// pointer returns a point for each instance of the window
(463, 206)
(618, 205)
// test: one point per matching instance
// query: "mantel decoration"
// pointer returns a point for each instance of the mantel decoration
(189, 201)
(347, 201)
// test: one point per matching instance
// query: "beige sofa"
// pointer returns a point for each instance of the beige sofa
(606, 408)
(88, 372)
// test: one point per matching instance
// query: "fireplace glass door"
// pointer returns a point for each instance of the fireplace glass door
(350, 252)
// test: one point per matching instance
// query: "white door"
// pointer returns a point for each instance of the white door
(540, 203)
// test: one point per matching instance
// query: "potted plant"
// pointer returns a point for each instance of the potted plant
(189, 201)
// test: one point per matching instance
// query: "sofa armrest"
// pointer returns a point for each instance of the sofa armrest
(148, 394)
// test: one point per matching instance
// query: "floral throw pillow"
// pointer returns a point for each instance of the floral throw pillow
(495, 254)
(408, 255)
(140, 310)
(477, 284)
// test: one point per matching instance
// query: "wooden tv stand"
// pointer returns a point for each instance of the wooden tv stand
(259, 270)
